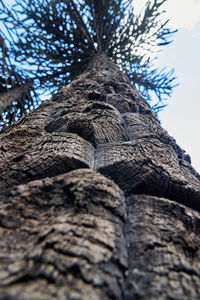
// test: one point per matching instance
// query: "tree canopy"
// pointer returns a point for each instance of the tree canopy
(46, 44)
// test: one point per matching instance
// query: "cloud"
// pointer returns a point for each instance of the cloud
(182, 13)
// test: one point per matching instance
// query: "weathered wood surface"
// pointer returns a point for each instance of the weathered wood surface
(97, 200)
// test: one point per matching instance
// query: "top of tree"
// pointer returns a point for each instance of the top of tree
(48, 43)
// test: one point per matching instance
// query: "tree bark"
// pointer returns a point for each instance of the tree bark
(7, 98)
(97, 200)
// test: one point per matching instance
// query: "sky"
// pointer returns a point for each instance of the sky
(181, 118)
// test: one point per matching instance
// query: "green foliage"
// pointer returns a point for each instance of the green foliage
(52, 41)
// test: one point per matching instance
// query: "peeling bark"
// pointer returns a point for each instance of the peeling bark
(97, 200)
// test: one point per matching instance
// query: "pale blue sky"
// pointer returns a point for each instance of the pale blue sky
(181, 118)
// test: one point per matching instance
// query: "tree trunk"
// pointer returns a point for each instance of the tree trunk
(7, 98)
(97, 200)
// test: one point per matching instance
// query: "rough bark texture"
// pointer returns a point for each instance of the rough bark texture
(97, 200)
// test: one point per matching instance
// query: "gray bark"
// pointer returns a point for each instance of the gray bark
(97, 200)
(7, 98)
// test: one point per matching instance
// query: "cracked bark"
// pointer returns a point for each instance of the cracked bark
(97, 200)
